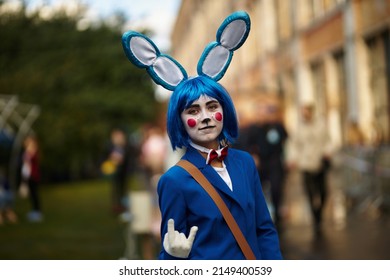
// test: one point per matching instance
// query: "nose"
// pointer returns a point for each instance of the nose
(205, 118)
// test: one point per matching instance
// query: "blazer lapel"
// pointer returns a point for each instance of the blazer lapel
(235, 168)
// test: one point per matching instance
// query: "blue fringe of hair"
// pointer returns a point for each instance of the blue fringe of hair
(184, 95)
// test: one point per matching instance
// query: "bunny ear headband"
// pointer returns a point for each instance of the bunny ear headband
(213, 63)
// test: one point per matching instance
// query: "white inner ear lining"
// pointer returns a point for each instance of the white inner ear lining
(142, 50)
(215, 69)
(228, 28)
(167, 71)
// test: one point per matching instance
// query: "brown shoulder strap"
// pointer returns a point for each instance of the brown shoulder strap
(201, 179)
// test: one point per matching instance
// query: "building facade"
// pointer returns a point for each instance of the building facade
(333, 53)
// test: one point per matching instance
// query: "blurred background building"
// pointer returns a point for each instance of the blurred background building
(332, 52)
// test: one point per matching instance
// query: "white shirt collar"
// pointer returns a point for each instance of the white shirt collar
(200, 148)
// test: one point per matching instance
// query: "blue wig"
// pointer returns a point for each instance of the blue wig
(184, 95)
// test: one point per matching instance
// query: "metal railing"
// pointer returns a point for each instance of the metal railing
(365, 176)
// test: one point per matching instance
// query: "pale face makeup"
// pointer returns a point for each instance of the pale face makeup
(203, 121)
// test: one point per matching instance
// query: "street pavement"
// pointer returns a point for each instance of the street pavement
(360, 231)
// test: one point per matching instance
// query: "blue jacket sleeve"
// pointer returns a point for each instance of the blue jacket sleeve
(173, 206)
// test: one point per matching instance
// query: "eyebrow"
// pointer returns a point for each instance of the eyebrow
(197, 105)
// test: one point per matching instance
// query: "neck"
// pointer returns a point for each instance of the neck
(206, 146)
(204, 149)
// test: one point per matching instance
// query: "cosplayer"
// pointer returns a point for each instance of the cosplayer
(202, 119)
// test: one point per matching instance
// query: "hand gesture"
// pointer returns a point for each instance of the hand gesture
(176, 244)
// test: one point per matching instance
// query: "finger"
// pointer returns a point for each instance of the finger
(171, 226)
(171, 231)
(182, 238)
(192, 234)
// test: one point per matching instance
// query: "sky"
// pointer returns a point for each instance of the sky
(156, 15)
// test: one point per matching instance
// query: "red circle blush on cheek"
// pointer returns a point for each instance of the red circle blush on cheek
(218, 116)
(191, 122)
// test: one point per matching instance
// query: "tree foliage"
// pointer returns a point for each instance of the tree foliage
(82, 82)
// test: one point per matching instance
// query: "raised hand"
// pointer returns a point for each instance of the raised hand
(176, 244)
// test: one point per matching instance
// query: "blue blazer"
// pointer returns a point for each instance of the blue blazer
(181, 198)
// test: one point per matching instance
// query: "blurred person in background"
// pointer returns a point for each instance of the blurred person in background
(154, 152)
(267, 139)
(119, 159)
(310, 151)
(31, 176)
(7, 212)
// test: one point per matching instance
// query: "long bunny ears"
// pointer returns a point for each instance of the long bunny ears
(217, 55)
(214, 61)
(163, 69)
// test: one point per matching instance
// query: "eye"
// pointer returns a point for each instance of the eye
(192, 111)
(213, 106)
